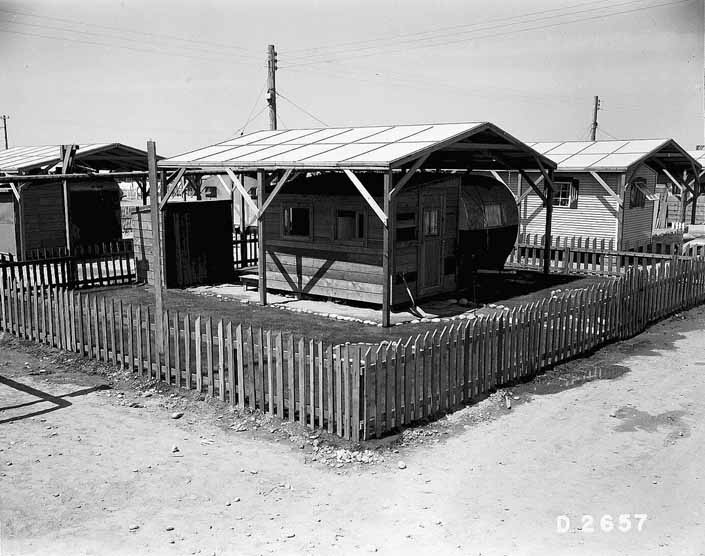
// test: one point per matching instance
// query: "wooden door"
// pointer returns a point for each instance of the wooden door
(431, 242)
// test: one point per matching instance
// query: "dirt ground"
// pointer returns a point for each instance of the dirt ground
(505, 289)
(92, 462)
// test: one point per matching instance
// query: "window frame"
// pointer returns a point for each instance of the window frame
(573, 193)
(397, 227)
(360, 214)
(635, 190)
(297, 205)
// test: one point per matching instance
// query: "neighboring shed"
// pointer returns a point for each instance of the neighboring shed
(362, 213)
(605, 189)
(40, 209)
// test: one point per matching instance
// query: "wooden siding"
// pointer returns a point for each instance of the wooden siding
(322, 265)
(595, 216)
(638, 222)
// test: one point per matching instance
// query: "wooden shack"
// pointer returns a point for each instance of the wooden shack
(384, 215)
(197, 243)
(52, 213)
(323, 238)
(605, 189)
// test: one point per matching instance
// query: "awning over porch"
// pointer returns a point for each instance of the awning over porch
(396, 151)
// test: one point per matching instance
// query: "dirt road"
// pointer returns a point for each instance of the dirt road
(77, 478)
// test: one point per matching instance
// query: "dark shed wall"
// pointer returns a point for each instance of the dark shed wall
(8, 224)
(43, 212)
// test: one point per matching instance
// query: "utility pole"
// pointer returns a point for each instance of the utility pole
(593, 127)
(4, 127)
(272, 86)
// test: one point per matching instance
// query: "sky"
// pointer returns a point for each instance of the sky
(187, 74)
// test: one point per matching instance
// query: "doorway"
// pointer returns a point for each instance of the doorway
(431, 244)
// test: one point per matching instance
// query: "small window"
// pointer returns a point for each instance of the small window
(637, 198)
(297, 221)
(210, 192)
(349, 225)
(431, 222)
(565, 193)
(406, 226)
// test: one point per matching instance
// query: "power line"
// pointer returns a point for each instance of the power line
(468, 28)
(279, 94)
(250, 117)
(110, 45)
(443, 30)
(492, 35)
(601, 129)
(141, 34)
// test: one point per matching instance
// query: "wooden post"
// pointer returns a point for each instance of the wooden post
(261, 266)
(65, 191)
(386, 252)
(156, 247)
(243, 225)
(620, 210)
(548, 192)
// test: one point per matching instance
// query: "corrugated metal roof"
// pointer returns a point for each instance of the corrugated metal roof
(602, 155)
(18, 159)
(698, 155)
(343, 147)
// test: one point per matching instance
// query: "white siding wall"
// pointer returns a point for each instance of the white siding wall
(595, 216)
(637, 222)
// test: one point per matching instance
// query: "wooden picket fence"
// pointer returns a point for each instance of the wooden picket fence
(584, 255)
(104, 264)
(354, 391)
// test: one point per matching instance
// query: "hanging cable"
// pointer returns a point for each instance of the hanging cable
(279, 94)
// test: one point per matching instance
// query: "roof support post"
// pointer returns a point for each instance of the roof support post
(156, 246)
(261, 254)
(174, 180)
(696, 193)
(606, 187)
(387, 262)
(67, 154)
(381, 214)
(409, 174)
(620, 210)
(534, 185)
(548, 194)
(241, 188)
(277, 189)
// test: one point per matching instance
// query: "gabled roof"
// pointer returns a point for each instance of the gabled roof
(616, 156)
(377, 147)
(100, 156)
(698, 155)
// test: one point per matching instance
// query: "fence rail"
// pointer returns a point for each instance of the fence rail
(354, 391)
(580, 255)
(105, 264)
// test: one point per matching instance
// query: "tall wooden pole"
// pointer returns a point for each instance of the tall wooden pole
(593, 127)
(386, 253)
(261, 262)
(4, 127)
(156, 244)
(66, 155)
(272, 86)
(548, 192)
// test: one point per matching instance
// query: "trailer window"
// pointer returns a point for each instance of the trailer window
(406, 226)
(431, 222)
(297, 222)
(349, 225)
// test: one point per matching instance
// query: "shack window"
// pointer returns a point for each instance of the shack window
(565, 193)
(406, 226)
(431, 222)
(210, 192)
(297, 222)
(637, 198)
(349, 225)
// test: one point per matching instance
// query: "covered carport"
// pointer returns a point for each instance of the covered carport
(398, 152)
